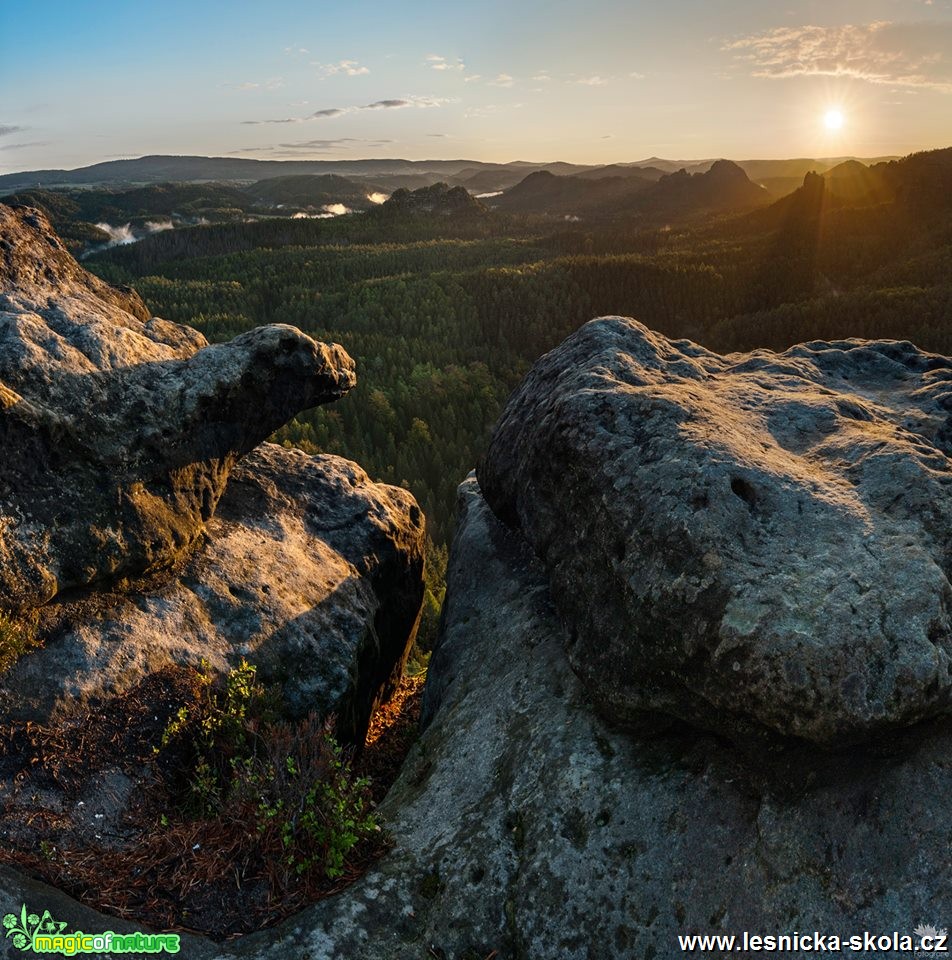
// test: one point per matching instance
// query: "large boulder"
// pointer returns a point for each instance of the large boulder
(119, 430)
(753, 543)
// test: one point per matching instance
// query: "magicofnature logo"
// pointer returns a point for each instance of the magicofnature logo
(42, 934)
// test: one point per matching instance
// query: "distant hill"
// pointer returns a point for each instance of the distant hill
(723, 188)
(545, 193)
(88, 217)
(499, 176)
(622, 170)
(182, 169)
(440, 199)
(488, 181)
(312, 190)
(918, 186)
(855, 183)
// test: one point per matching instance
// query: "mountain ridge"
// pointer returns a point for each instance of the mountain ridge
(186, 167)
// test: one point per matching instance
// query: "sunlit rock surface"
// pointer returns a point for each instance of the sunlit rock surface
(119, 430)
(308, 569)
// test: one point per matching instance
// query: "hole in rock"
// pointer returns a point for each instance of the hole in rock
(745, 491)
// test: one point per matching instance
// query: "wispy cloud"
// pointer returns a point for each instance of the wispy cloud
(490, 109)
(435, 62)
(272, 83)
(595, 81)
(24, 146)
(346, 68)
(897, 54)
(502, 80)
(297, 147)
(7, 128)
(389, 104)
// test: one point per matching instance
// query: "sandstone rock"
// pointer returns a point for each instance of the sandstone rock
(308, 569)
(525, 824)
(119, 431)
(751, 543)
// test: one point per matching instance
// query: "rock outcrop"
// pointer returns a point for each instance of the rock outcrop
(755, 545)
(526, 826)
(120, 433)
(750, 543)
(308, 569)
(119, 430)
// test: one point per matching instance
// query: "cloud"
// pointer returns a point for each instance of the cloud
(334, 144)
(490, 109)
(389, 104)
(436, 62)
(7, 128)
(24, 146)
(347, 68)
(502, 80)
(272, 83)
(595, 81)
(472, 77)
(296, 147)
(898, 54)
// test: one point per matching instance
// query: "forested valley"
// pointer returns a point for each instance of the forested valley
(444, 310)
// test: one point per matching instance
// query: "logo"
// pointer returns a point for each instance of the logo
(25, 927)
(930, 940)
(44, 935)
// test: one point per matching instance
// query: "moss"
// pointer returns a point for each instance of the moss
(517, 830)
(18, 635)
(575, 829)
(604, 747)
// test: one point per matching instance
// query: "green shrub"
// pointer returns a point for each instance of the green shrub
(290, 782)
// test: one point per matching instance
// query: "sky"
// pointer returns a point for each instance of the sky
(587, 81)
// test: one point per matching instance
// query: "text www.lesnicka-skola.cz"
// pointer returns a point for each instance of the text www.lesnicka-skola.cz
(925, 941)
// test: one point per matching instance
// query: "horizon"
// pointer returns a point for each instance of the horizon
(286, 82)
(687, 161)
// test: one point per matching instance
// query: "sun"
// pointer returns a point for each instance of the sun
(833, 119)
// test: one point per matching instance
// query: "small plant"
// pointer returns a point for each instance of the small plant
(308, 801)
(290, 782)
(215, 731)
(18, 635)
